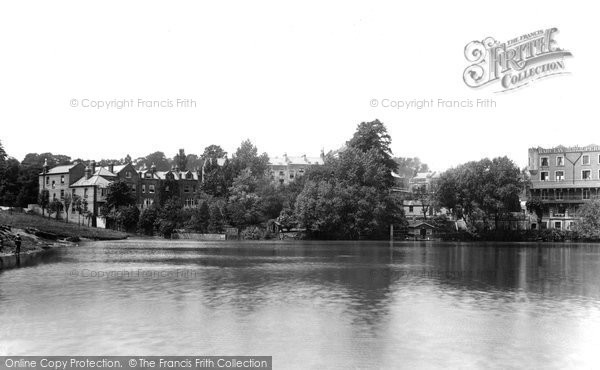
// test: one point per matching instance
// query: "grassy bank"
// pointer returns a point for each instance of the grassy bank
(59, 228)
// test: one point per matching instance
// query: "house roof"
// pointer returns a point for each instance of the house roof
(162, 175)
(119, 168)
(61, 169)
(104, 172)
(95, 180)
(415, 224)
(287, 160)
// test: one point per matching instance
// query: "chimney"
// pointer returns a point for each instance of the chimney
(45, 165)
(88, 172)
(153, 168)
(93, 164)
(111, 167)
(199, 174)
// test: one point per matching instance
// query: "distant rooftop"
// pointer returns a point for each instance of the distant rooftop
(287, 160)
(61, 169)
(95, 180)
(566, 149)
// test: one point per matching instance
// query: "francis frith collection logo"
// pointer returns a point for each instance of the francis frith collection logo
(516, 62)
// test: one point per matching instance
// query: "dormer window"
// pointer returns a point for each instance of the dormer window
(128, 174)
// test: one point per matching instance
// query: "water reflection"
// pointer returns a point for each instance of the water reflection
(311, 304)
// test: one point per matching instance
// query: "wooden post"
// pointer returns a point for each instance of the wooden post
(391, 232)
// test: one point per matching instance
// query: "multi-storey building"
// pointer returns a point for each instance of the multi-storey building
(563, 178)
(57, 180)
(285, 169)
(184, 184)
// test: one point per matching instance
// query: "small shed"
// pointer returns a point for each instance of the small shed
(421, 230)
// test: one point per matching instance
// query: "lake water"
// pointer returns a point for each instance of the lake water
(311, 304)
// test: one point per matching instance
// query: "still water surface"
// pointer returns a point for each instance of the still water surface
(311, 304)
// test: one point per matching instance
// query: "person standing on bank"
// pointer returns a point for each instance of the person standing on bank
(18, 245)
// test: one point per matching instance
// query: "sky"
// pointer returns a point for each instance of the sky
(294, 78)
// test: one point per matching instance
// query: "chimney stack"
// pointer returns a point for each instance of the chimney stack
(153, 168)
(111, 167)
(45, 165)
(88, 172)
(93, 165)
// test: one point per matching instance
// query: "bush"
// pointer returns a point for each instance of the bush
(252, 233)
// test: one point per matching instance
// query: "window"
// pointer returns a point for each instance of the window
(559, 195)
(585, 159)
(194, 188)
(62, 179)
(47, 180)
(558, 225)
(411, 209)
(544, 176)
(544, 225)
(151, 189)
(53, 196)
(62, 193)
(586, 175)
(133, 188)
(143, 188)
(102, 192)
(544, 194)
(560, 161)
(586, 193)
(188, 175)
(598, 158)
(128, 174)
(53, 184)
(85, 195)
(570, 225)
(544, 161)
(148, 175)
(560, 175)
(186, 189)
(281, 173)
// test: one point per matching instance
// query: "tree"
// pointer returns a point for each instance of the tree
(348, 197)
(119, 194)
(486, 188)
(147, 220)
(217, 217)
(67, 200)
(536, 206)
(118, 199)
(44, 200)
(78, 206)
(374, 136)
(199, 218)
(213, 151)
(246, 156)
(158, 159)
(588, 226)
(421, 194)
(180, 160)
(409, 167)
(55, 207)
(2, 159)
